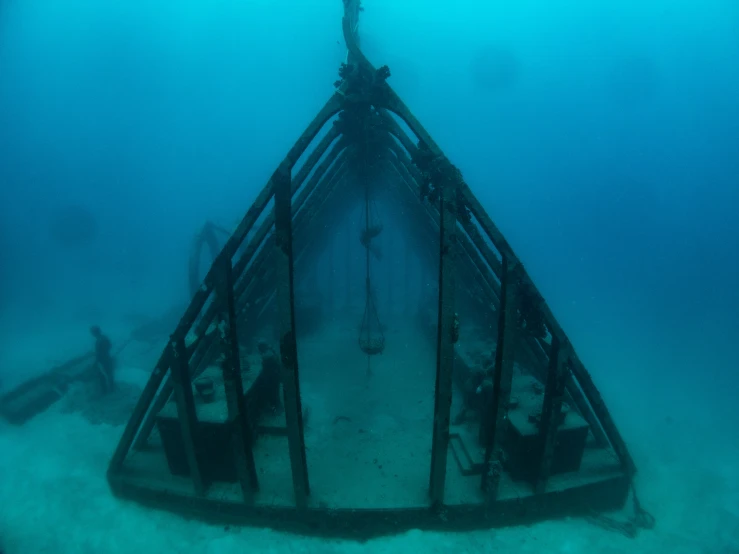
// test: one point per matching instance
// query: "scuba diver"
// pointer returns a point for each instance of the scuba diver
(104, 362)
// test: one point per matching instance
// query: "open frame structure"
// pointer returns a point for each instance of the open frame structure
(371, 135)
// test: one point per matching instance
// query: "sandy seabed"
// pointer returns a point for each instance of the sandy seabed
(54, 498)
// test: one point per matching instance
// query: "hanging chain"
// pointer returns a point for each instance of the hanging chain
(640, 519)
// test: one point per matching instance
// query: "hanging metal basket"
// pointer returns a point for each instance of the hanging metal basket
(372, 345)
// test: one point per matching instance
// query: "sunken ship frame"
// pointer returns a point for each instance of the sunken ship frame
(367, 139)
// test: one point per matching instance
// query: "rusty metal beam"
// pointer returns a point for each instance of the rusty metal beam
(140, 411)
(186, 412)
(467, 248)
(497, 420)
(263, 272)
(407, 277)
(331, 275)
(288, 344)
(306, 249)
(469, 265)
(551, 411)
(230, 362)
(308, 197)
(257, 241)
(234, 242)
(448, 333)
(488, 286)
(348, 273)
(396, 131)
(429, 221)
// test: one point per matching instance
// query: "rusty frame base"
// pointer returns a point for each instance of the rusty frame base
(364, 524)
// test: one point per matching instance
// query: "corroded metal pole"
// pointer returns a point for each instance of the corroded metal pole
(495, 422)
(348, 268)
(330, 284)
(407, 277)
(288, 342)
(551, 411)
(230, 362)
(186, 412)
(389, 256)
(447, 336)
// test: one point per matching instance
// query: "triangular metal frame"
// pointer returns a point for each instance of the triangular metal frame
(255, 269)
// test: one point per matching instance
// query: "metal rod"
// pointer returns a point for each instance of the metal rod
(186, 412)
(306, 224)
(495, 425)
(305, 197)
(140, 412)
(288, 344)
(407, 277)
(331, 281)
(303, 209)
(445, 343)
(367, 289)
(348, 269)
(387, 246)
(551, 411)
(242, 429)
(307, 250)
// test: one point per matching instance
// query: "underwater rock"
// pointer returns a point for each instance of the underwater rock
(74, 226)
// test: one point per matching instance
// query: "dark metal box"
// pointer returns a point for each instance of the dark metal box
(523, 445)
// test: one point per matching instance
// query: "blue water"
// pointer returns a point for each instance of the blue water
(603, 139)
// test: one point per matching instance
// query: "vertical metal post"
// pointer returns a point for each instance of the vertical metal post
(390, 263)
(186, 411)
(406, 277)
(424, 283)
(447, 336)
(242, 437)
(288, 343)
(348, 274)
(495, 424)
(331, 281)
(314, 277)
(551, 411)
